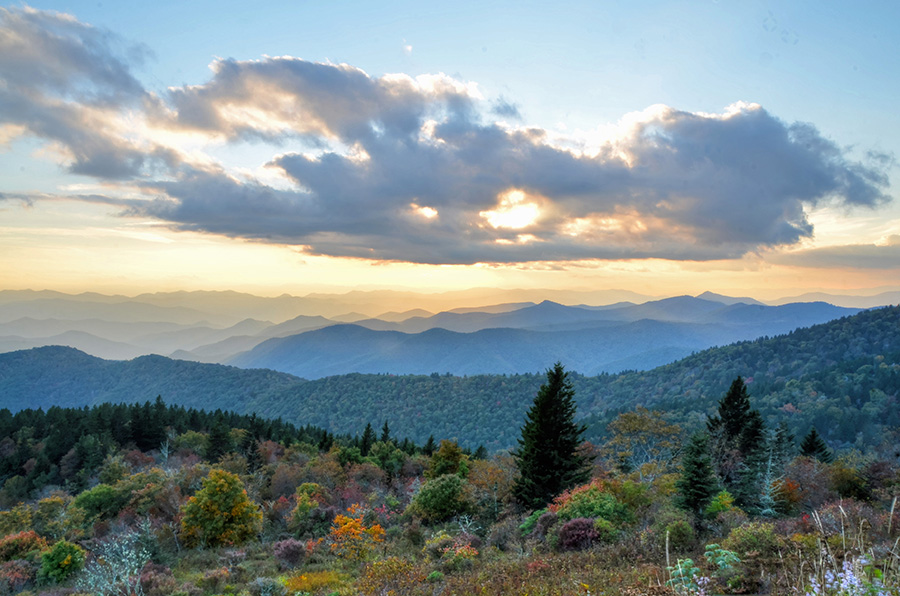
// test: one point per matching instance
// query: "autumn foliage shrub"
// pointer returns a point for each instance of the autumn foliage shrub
(351, 538)
(391, 576)
(312, 581)
(220, 514)
(214, 580)
(16, 575)
(23, 545)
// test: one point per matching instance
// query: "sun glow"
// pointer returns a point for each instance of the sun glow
(424, 211)
(512, 212)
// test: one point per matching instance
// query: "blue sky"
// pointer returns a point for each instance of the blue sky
(552, 83)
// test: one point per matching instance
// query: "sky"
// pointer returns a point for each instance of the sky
(290, 147)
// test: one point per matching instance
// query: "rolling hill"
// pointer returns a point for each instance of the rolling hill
(842, 376)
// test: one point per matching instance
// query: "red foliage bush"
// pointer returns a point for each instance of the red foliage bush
(290, 553)
(157, 580)
(577, 534)
(15, 576)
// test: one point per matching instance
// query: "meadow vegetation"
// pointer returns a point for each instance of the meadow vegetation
(157, 500)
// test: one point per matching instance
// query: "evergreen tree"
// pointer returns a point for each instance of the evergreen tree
(430, 446)
(738, 445)
(732, 412)
(385, 433)
(547, 456)
(754, 454)
(326, 442)
(783, 448)
(814, 446)
(368, 439)
(697, 483)
(219, 440)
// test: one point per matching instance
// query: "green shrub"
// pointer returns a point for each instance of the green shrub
(528, 525)
(440, 498)
(674, 523)
(720, 503)
(591, 501)
(757, 539)
(60, 562)
(606, 531)
(101, 502)
(681, 535)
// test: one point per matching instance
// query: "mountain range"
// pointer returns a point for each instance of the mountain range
(304, 336)
(843, 377)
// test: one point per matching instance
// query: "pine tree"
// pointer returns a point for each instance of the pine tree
(737, 444)
(783, 448)
(697, 483)
(430, 446)
(368, 439)
(732, 413)
(385, 433)
(219, 440)
(814, 446)
(754, 453)
(547, 456)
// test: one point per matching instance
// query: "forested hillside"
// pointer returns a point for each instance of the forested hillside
(843, 377)
(60, 376)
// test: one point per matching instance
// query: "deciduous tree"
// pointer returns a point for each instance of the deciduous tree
(642, 441)
(220, 513)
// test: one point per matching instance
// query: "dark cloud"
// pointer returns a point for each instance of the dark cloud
(680, 186)
(403, 168)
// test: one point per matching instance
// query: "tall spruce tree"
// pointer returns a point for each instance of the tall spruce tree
(368, 439)
(547, 456)
(219, 440)
(814, 445)
(697, 483)
(733, 410)
(738, 444)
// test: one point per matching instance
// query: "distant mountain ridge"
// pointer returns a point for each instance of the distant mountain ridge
(522, 341)
(842, 376)
(222, 327)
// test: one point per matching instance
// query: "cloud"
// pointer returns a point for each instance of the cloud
(68, 83)
(408, 168)
(884, 256)
(679, 186)
(506, 109)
